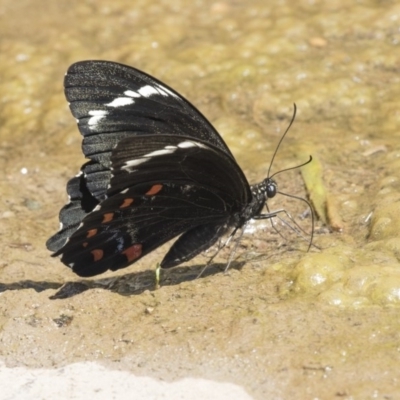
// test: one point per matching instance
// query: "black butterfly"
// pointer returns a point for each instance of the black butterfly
(157, 170)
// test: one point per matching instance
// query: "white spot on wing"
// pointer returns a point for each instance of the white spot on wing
(121, 101)
(131, 93)
(187, 144)
(160, 152)
(166, 91)
(121, 243)
(162, 91)
(97, 115)
(187, 188)
(132, 163)
(147, 91)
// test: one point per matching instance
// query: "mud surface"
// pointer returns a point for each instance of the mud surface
(282, 323)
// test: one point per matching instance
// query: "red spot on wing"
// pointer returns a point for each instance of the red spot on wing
(107, 217)
(126, 203)
(84, 244)
(91, 232)
(154, 190)
(97, 254)
(133, 252)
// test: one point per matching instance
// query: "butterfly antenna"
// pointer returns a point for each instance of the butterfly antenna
(282, 137)
(295, 167)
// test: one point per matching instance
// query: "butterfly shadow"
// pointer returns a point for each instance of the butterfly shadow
(38, 286)
(138, 282)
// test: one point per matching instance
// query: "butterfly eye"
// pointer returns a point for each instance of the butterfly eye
(271, 189)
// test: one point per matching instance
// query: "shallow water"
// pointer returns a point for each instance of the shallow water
(283, 322)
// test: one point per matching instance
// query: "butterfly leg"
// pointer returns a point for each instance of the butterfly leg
(220, 247)
(296, 228)
(233, 252)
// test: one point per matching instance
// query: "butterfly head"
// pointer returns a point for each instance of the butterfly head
(271, 188)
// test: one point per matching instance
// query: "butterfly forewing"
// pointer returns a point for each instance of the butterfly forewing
(112, 101)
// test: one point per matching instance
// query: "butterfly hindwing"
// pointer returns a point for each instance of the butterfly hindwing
(80, 204)
(158, 192)
(131, 224)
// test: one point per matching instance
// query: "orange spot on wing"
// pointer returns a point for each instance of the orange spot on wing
(107, 217)
(97, 254)
(84, 244)
(133, 252)
(91, 232)
(154, 190)
(126, 203)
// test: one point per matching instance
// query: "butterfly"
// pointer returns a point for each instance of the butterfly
(157, 170)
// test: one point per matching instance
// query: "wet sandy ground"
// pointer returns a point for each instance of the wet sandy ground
(282, 323)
